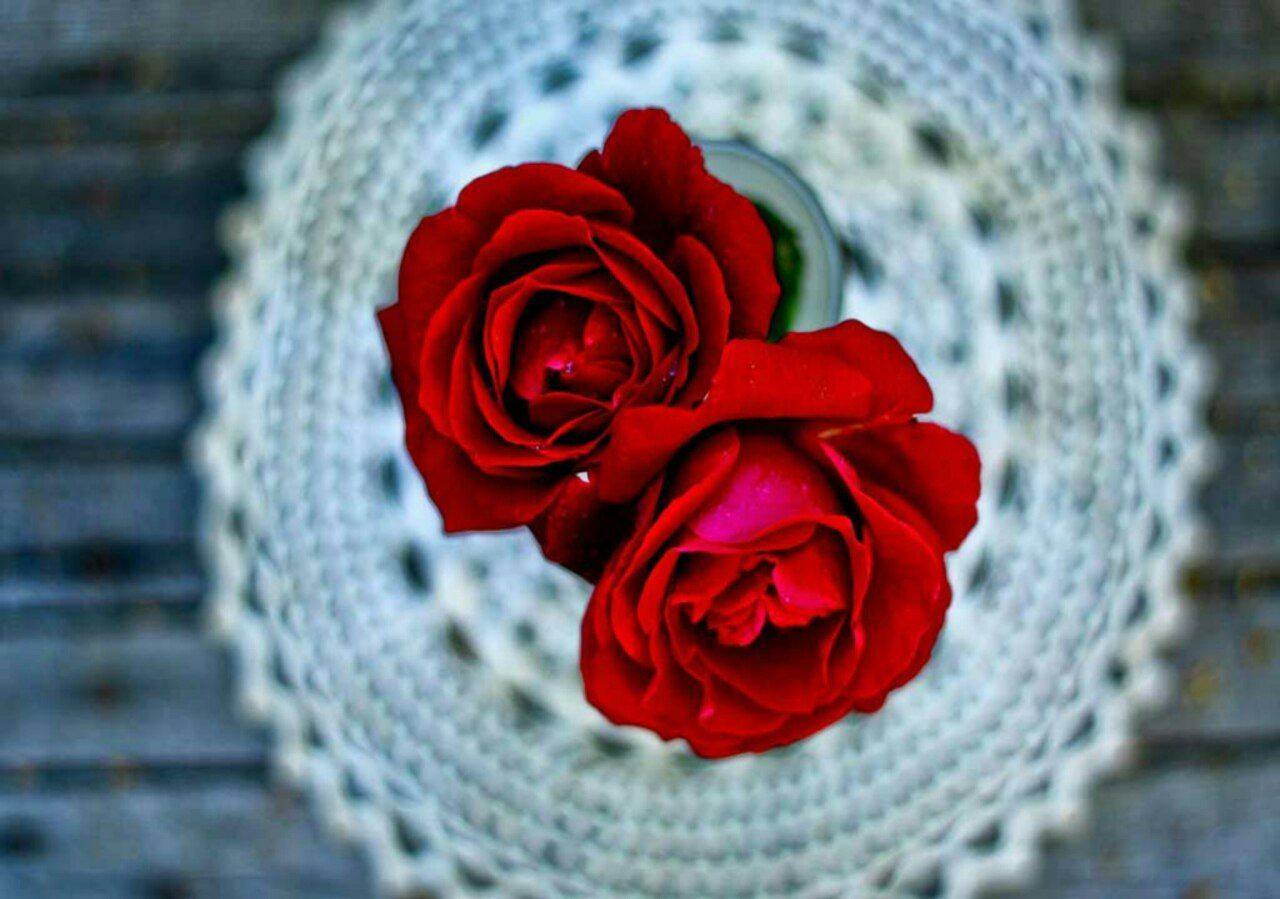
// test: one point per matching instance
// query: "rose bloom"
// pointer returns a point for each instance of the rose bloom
(547, 300)
(786, 565)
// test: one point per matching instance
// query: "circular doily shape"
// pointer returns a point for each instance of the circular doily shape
(994, 211)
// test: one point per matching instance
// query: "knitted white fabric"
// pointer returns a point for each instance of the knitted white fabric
(996, 212)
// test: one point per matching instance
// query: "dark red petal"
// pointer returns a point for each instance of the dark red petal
(469, 499)
(438, 256)
(492, 437)
(645, 277)
(701, 473)
(781, 671)
(540, 185)
(904, 606)
(548, 340)
(579, 531)
(934, 469)
(655, 165)
(732, 229)
(395, 334)
(812, 580)
(530, 232)
(848, 373)
(696, 267)
(444, 337)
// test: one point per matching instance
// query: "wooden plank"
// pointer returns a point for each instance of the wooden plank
(42, 34)
(169, 253)
(138, 698)
(1176, 22)
(219, 840)
(46, 506)
(1246, 393)
(1188, 830)
(146, 119)
(1241, 501)
(115, 367)
(1227, 165)
(1228, 77)
(154, 239)
(1227, 670)
(99, 180)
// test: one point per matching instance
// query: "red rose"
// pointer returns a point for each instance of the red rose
(549, 299)
(786, 563)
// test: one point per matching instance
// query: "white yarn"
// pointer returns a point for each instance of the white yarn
(998, 214)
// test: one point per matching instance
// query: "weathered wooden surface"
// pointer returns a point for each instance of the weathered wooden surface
(122, 769)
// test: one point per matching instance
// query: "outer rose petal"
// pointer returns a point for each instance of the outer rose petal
(849, 373)
(579, 531)
(934, 469)
(467, 498)
(437, 256)
(903, 609)
(653, 162)
(540, 185)
(695, 265)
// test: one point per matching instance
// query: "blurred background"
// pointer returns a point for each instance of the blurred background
(123, 771)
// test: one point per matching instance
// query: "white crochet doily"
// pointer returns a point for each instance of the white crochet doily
(996, 212)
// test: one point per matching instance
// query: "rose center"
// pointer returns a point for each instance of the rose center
(568, 345)
(767, 590)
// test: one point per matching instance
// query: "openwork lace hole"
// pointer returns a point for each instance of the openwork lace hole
(1008, 302)
(529, 710)
(458, 643)
(988, 838)
(806, 44)
(725, 29)
(639, 47)
(861, 261)
(388, 477)
(409, 837)
(488, 126)
(936, 144)
(559, 76)
(415, 568)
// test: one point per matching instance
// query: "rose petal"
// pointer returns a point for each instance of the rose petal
(489, 199)
(436, 258)
(903, 608)
(934, 469)
(781, 671)
(812, 580)
(469, 499)
(530, 233)
(579, 531)
(655, 165)
(770, 483)
(848, 373)
(697, 268)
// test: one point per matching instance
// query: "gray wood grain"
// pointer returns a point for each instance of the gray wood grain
(93, 367)
(232, 838)
(137, 698)
(43, 506)
(40, 35)
(1188, 830)
(99, 180)
(1227, 671)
